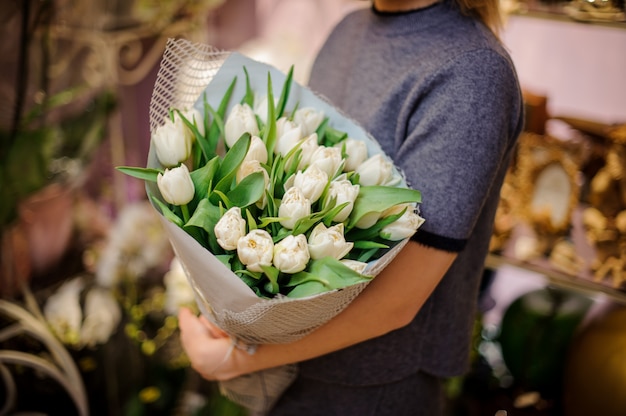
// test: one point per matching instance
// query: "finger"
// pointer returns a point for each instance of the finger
(214, 330)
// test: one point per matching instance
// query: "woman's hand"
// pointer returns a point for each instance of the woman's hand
(209, 349)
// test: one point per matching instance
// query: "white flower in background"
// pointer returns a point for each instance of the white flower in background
(178, 291)
(194, 117)
(328, 159)
(230, 228)
(260, 107)
(293, 207)
(135, 244)
(173, 142)
(344, 191)
(251, 166)
(403, 227)
(63, 312)
(311, 182)
(309, 119)
(328, 242)
(291, 254)
(288, 134)
(377, 170)
(356, 151)
(256, 249)
(257, 150)
(176, 185)
(357, 266)
(240, 120)
(102, 316)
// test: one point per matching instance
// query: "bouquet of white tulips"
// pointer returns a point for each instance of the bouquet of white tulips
(279, 207)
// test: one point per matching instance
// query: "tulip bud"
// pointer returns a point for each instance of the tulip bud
(240, 120)
(291, 254)
(311, 182)
(377, 170)
(288, 134)
(344, 191)
(403, 227)
(257, 150)
(173, 142)
(230, 228)
(176, 185)
(309, 119)
(293, 207)
(328, 159)
(356, 151)
(256, 249)
(328, 242)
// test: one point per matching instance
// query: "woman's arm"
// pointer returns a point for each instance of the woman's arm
(389, 302)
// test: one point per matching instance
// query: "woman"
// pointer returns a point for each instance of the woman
(431, 82)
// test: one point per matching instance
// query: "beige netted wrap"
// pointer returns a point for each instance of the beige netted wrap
(186, 69)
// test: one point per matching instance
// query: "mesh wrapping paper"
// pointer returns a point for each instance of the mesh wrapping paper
(186, 70)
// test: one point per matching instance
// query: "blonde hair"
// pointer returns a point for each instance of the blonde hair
(487, 11)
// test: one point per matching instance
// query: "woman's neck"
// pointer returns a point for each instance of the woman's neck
(401, 5)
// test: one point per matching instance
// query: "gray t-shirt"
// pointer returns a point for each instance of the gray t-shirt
(441, 95)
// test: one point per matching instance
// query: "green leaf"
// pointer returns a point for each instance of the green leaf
(272, 274)
(233, 158)
(284, 95)
(269, 136)
(380, 198)
(206, 216)
(252, 225)
(369, 245)
(248, 98)
(167, 212)
(248, 191)
(147, 174)
(323, 275)
(202, 178)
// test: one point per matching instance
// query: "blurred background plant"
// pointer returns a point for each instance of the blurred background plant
(116, 321)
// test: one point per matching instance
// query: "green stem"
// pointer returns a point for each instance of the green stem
(185, 210)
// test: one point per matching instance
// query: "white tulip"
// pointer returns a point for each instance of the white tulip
(377, 170)
(291, 254)
(309, 119)
(328, 242)
(311, 182)
(102, 316)
(293, 207)
(368, 220)
(256, 249)
(257, 150)
(230, 228)
(260, 108)
(403, 227)
(176, 185)
(173, 142)
(63, 312)
(251, 166)
(344, 191)
(178, 291)
(357, 266)
(240, 120)
(327, 159)
(288, 134)
(356, 151)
